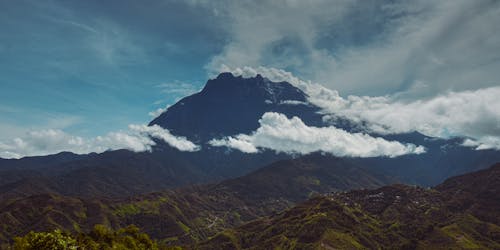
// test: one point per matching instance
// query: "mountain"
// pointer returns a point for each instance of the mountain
(110, 174)
(443, 158)
(477, 193)
(461, 213)
(12, 170)
(230, 105)
(190, 214)
(226, 106)
(297, 179)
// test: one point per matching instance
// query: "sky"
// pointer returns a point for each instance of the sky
(78, 71)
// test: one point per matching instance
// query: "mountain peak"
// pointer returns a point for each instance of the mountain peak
(225, 75)
(229, 75)
(252, 87)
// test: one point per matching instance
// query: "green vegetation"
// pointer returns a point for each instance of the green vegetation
(143, 206)
(184, 227)
(393, 217)
(100, 237)
(462, 213)
(340, 240)
(55, 240)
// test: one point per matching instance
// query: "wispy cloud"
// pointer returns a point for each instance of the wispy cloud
(114, 46)
(178, 88)
(362, 48)
(75, 24)
(173, 90)
(107, 42)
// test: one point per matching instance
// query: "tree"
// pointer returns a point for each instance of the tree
(55, 240)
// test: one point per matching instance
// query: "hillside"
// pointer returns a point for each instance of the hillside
(191, 214)
(461, 213)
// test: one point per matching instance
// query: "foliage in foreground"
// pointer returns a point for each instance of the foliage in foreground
(100, 237)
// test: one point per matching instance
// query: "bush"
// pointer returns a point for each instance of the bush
(42, 240)
(100, 237)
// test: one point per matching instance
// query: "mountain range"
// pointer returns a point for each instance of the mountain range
(220, 196)
(227, 106)
(460, 213)
(228, 203)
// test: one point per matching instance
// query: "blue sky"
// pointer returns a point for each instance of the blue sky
(95, 66)
(88, 68)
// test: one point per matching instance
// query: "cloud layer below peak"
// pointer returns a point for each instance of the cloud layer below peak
(471, 114)
(281, 134)
(139, 138)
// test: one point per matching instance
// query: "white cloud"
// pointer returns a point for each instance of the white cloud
(178, 88)
(281, 134)
(474, 114)
(50, 141)
(430, 66)
(158, 111)
(486, 142)
(317, 93)
(293, 102)
(179, 142)
(241, 142)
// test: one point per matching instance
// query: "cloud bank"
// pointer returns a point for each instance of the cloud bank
(473, 114)
(366, 47)
(139, 138)
(281, 134)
